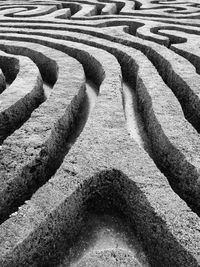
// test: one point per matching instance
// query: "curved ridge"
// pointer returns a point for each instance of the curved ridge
(100, 133)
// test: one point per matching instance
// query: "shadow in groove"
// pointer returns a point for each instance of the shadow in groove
(107, 193)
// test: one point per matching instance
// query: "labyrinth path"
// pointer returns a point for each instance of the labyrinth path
(99, 133)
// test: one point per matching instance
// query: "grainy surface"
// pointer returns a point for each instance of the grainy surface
(99, 133)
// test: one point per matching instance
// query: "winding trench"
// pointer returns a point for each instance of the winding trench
(104, 169)
(134, 119)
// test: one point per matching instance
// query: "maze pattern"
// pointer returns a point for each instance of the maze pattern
(99, 114)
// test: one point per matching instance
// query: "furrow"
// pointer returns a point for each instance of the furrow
(33, 11)
(24, 95)
(184, 82)
(174, 153)
(30, 151)
(99, 133)
(116, 174)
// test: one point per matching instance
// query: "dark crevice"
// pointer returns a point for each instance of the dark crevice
(19, 112)
(63, 135)
(48, 67)
(74, 7)
(167, 158)
(189, 102)
(163, 159)
(173, 81)
(10, 68)
(173, 39)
